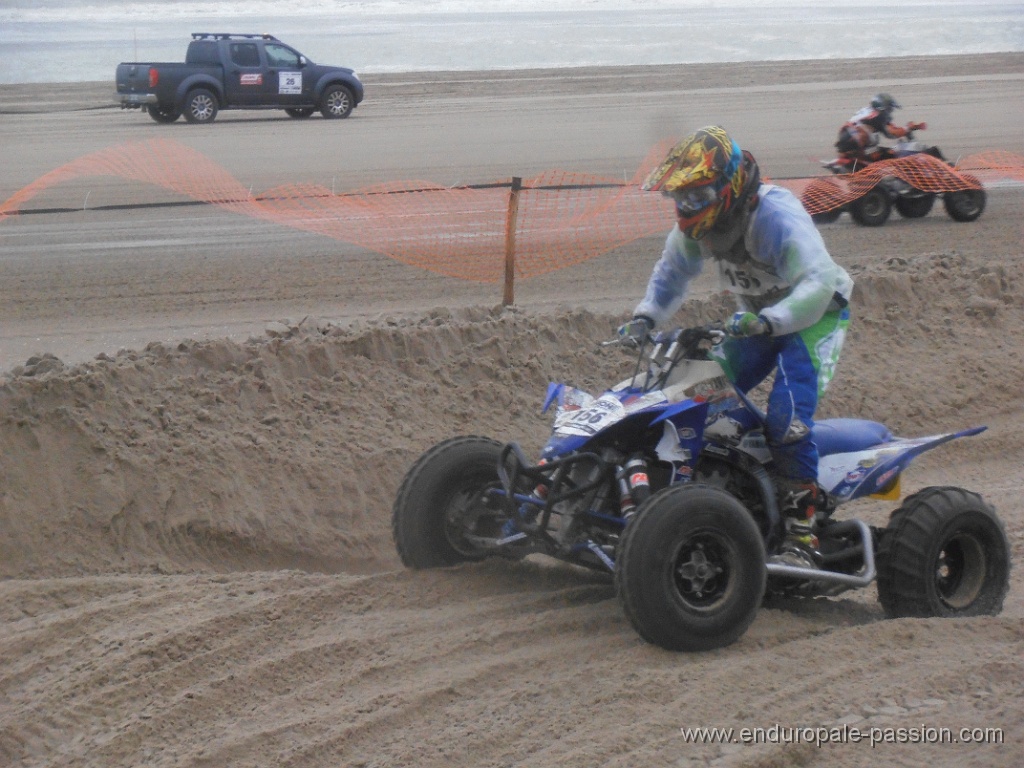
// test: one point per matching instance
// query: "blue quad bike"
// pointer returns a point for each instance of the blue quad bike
(665, 482)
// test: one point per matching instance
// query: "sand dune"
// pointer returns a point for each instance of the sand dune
(200, 569)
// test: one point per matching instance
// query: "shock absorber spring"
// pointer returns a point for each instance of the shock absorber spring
(634, 485)
(636, 476)
(626, 504)
(541, 490)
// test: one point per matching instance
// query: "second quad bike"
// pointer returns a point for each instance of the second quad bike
(876, 194)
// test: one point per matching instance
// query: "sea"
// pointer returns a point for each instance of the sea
(84, 40)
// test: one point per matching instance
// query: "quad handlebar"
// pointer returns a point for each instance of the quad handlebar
(669, 348)
(663, 350)
(693, 340)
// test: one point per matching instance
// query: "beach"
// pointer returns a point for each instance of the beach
(205, 419)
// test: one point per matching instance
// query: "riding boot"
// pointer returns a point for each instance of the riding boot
(798, 502)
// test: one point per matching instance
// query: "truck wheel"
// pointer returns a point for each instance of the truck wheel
(337, 102)
(200, 106)
(163, 114)
(944, 553)
(690, 570)
(872, 209)
(299, 112)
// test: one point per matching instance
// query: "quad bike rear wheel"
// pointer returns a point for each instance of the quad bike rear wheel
(915, 207)
(827, 217)
(690, 571)
(442, 504)
(822, 192)
(944, 553)
(871, 209)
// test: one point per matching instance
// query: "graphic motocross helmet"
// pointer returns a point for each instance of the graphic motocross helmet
(706, 175)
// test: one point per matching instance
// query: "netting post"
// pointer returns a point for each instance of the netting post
(510, 242)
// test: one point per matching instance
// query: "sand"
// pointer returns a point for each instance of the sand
(199, 464)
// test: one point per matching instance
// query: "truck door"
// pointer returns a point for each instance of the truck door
(285, 83)
(244, 77)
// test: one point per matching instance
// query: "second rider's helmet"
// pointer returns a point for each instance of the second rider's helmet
(707, 175)
(883, 102)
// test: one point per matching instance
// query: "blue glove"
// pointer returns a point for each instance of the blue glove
(635, 331)
(748, 324)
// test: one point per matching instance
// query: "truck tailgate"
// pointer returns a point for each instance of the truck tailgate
(133, 86)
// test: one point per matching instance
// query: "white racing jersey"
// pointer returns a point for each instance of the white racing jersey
(781, 269)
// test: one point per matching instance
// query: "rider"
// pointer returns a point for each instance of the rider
(859, 138)
(794, 301)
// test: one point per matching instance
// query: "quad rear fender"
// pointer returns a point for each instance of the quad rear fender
(849, 476)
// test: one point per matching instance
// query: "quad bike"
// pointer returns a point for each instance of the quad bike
(879, 194)
(665, 481)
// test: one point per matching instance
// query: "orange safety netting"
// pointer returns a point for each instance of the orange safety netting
(560, 218)
(563, 217)
(922, 171)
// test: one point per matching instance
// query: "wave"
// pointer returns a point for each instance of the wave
(52, 41)
(86, 10)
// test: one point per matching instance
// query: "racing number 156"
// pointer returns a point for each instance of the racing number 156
(740, 278)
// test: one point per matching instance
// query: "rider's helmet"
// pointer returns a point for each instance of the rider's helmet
(709, 178)
(884, 102)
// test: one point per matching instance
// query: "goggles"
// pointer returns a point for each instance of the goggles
(693, 200)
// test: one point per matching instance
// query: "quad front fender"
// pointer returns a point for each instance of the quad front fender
(700, 412)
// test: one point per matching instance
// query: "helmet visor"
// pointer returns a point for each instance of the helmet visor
(693, 200)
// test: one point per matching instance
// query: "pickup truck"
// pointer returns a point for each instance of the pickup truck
(237, 71)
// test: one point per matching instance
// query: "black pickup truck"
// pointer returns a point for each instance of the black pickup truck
(237, 71)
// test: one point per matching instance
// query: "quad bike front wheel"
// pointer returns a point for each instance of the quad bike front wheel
(944, 553)
(690, 571)
(965, 205)
(442, 504)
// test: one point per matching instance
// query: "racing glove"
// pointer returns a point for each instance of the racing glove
(748, 324)
(635, 331)
(916, 126)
